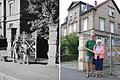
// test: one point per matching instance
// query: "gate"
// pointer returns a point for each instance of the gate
(31, 42)
(112, 54)
(37, 46)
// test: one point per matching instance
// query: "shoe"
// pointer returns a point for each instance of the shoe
(87, 76)
(92, 74)
(96, 75)
(99, 75)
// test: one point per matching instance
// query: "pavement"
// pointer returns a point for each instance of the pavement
(16, 71)
(69, 71)
(34, 71)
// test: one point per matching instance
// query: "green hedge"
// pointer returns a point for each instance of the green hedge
(69, 47)
(68, 57)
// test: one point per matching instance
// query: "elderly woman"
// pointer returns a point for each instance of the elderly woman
(99, 55)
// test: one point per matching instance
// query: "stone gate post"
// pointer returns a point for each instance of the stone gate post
(52, 44)
(81, 62)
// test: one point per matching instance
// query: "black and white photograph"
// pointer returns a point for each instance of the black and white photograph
(29, 39)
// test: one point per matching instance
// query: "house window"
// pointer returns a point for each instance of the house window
(102, 24)
(71, 18)
(85, 24)
(11, 8)
(83, 7)
(11, 25)
(74, 27)
(111, 11)
(70, 29)
(65, 31)
(0, 4)
(112, 26)
(75, 15)
(119, 26)
(0, 26)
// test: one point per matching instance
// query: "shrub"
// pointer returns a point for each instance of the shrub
(68, 57)
(69, 45)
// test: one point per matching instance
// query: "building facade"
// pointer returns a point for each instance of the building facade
(102, 19)
(83, 16)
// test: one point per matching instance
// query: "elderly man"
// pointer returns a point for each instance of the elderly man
(89, 55)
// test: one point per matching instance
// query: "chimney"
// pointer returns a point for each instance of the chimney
(95, 2)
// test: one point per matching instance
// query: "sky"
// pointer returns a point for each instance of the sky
(64, 4)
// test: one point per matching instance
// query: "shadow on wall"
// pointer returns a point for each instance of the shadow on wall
(42, 48)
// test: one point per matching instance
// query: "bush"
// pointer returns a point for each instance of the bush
(68, 57)
(69, 45)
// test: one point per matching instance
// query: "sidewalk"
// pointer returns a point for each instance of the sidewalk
(16, 71)
(70, 65)
(69, 71)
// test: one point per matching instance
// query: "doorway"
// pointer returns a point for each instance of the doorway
(42, 48)
(13, 35)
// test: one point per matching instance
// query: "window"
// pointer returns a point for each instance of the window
(10, 25)
(102, 24)
(75, 15)
(74, 27)
(70, 29)
(0, 9)
(65, 31)
(70, 17)
(112, 26)
(83, 7)
(0, 4)
(111, 11)
(119, 26)
(66, 19)
(11, 8)
(85, 24)
(0, 26)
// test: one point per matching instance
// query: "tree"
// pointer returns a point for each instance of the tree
(69, 44)
(46, 12)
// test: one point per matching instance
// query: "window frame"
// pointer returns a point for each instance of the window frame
(11, 5)
(112, 31)
(85, 29)
(70, 28)
(75, 27)
(65, 31)
(70, 17)
(110, 10)
(11, 25)
(75, 15)
(102, 29)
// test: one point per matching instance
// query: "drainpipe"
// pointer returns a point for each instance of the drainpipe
(4, 17)
(93, 19)
(111, 63)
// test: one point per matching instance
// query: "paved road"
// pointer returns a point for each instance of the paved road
(28, 72)
(71, 74)
(69, 71)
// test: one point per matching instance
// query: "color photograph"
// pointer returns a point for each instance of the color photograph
(89, 40)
